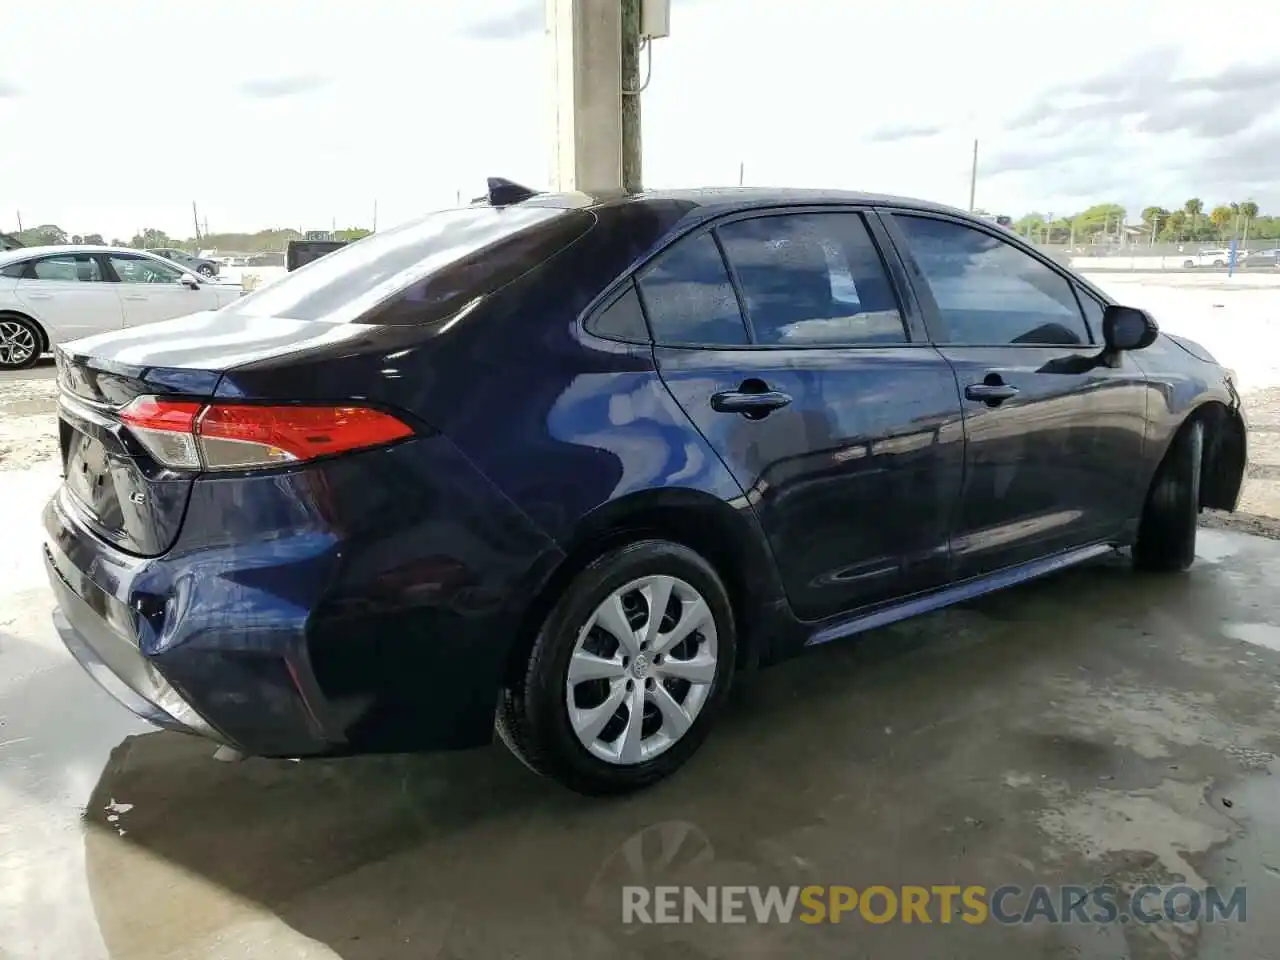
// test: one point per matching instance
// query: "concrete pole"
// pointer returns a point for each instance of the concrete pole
(973, 176)
(632, 165)
(584, 39)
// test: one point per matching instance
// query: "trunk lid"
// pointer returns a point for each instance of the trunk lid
(110, 482)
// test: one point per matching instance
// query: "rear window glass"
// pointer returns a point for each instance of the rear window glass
(422, 271)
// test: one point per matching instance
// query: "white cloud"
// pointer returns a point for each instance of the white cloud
(298, 114)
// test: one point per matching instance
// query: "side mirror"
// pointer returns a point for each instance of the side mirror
(1127, 328)
(189, 281)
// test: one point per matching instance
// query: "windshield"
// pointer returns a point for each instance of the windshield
(438, 263)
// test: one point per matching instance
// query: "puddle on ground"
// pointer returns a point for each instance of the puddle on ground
(1259, 634)
(1251, 860)
(1214, 547)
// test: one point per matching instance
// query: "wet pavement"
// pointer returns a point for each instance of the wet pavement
(1100, 726)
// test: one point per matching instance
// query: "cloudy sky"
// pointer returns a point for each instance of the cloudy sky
(116, 116)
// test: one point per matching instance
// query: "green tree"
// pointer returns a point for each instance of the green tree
(150, 237)
(352, 233)
(1249, 213)
(45, 235)
(1151, 216)
(1221, 217)
(1174, 226)
(94, 238)
(1101, 218)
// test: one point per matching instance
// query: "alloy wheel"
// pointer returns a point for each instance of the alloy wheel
(642, 669)
(17, 343)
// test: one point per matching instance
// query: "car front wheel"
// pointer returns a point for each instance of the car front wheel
(1167, 531)
(627, 673)
(205, 270)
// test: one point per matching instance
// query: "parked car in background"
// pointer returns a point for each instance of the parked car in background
(1217, 257)
(582, 460)
(1266, 259)
(9, 242)
(49, 295)
(301, 252)
(200, 265)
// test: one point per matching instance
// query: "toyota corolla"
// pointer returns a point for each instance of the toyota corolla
(560, 466)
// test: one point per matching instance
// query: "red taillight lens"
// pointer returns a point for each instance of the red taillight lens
(167, 429)
(235, 436)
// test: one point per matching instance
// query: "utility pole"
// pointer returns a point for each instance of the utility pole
(375, 217)
(19, 212)
(584, 56)
(742, 172)
(196, 218)
(973, 175)
(631, 88)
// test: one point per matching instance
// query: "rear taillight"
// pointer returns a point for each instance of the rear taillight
(242, 436)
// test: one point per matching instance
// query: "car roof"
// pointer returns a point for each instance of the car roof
(725, 199)
(24, 253)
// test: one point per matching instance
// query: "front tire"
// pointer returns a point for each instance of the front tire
(628, 672)
(205, 270)
(1167, 531)
(20, 342)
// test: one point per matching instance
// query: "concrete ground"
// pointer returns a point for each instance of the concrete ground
(1097, 727)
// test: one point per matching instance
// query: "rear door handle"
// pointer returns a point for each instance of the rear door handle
(990, 392)
(134, 296)
(39, 296)
(759, 404)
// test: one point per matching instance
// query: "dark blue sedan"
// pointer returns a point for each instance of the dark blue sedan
(562, 465)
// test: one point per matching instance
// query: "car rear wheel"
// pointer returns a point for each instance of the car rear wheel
(1167, 531)
(627, 673)
(19, 342)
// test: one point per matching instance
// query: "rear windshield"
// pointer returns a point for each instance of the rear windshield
(422, 271)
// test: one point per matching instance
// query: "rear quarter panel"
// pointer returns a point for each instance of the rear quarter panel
(578, 432)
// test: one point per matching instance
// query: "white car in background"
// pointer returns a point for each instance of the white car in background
(49, 295)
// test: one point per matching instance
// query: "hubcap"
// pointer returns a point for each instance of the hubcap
(641, 670)
(17, 343)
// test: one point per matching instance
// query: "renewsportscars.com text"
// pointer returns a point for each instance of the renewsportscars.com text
(1009, 904)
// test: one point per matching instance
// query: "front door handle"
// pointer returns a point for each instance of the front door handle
(39, 296)
(754, 405)
(990, 393)
(135, 296)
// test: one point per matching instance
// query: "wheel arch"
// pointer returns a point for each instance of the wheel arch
(45, 345)
(1223, 462)
(726, 536)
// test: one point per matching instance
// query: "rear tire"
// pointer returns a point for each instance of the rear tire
(601, 724)
(1167, 532)
(21, 343)
(205, 270)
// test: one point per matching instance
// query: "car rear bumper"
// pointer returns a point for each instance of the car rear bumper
(274, 627)
(114, 660)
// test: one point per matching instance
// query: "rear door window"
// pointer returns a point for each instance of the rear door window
(688, 296)
(70, 267)
(989, 292)
(422, 272)
(811, 279)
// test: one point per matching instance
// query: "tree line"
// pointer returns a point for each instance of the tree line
(1101, 223)
(1105, 222)
(264, 241)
